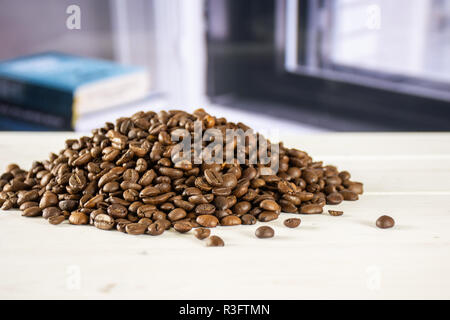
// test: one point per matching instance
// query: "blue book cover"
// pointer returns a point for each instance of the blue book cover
(66, 86)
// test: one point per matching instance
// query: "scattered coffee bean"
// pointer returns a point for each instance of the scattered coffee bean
(292, 222)
(385, 222)
(264, 232)
(214, 241)
(335, 212)
(202, 233)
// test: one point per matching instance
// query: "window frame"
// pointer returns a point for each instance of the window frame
(249, 67)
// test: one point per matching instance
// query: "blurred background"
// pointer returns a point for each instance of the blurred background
(300, 65)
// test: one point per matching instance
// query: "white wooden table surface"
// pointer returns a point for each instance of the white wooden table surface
(405, 175)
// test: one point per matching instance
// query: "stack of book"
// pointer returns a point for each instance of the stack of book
(50, 91)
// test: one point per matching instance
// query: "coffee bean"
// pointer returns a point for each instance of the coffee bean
(145, 221)
(146, 210)
(95, 213)
(258, 183)
(241, 188)
(344, 175)
(292, 222)
(264, 232)
(165, 223)
(207, 220)
(94, 201)
(135, 228)
(286, 187)
(78, 218)
(356, 187)
(32, 212)
(230, 221)
(214, 241)
(270, 205)
(222, 213)
(334, 198)
(267, 216)
(311, 209)
(56, 219)
(49, 199)
(159, 215)
(172, 173)
(104, 222)
(202, 233)
(29, 204)
(121, 224)
(287, 206)
(242, 208)
(50, 212)
(82, 160)
(294, 172)
(77, 182)
(221, 203)
(182, 227)
(68, 205)
(213, 177)
(221, 191)
(248, 219)
(385, 222)
(177, 214)
(229, 180)
(251, 195)
(147, 178)
(158, 199)
(117, 211)
(232, 200)
(349, 195)
(156, 228)
(28, 196)
(149, 191)
(183, 204)
(335, 212)
(205, 209)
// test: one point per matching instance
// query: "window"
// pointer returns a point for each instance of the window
(347, 65)
(402, 44)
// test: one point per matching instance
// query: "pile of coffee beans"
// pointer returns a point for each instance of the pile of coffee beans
(123, 177)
